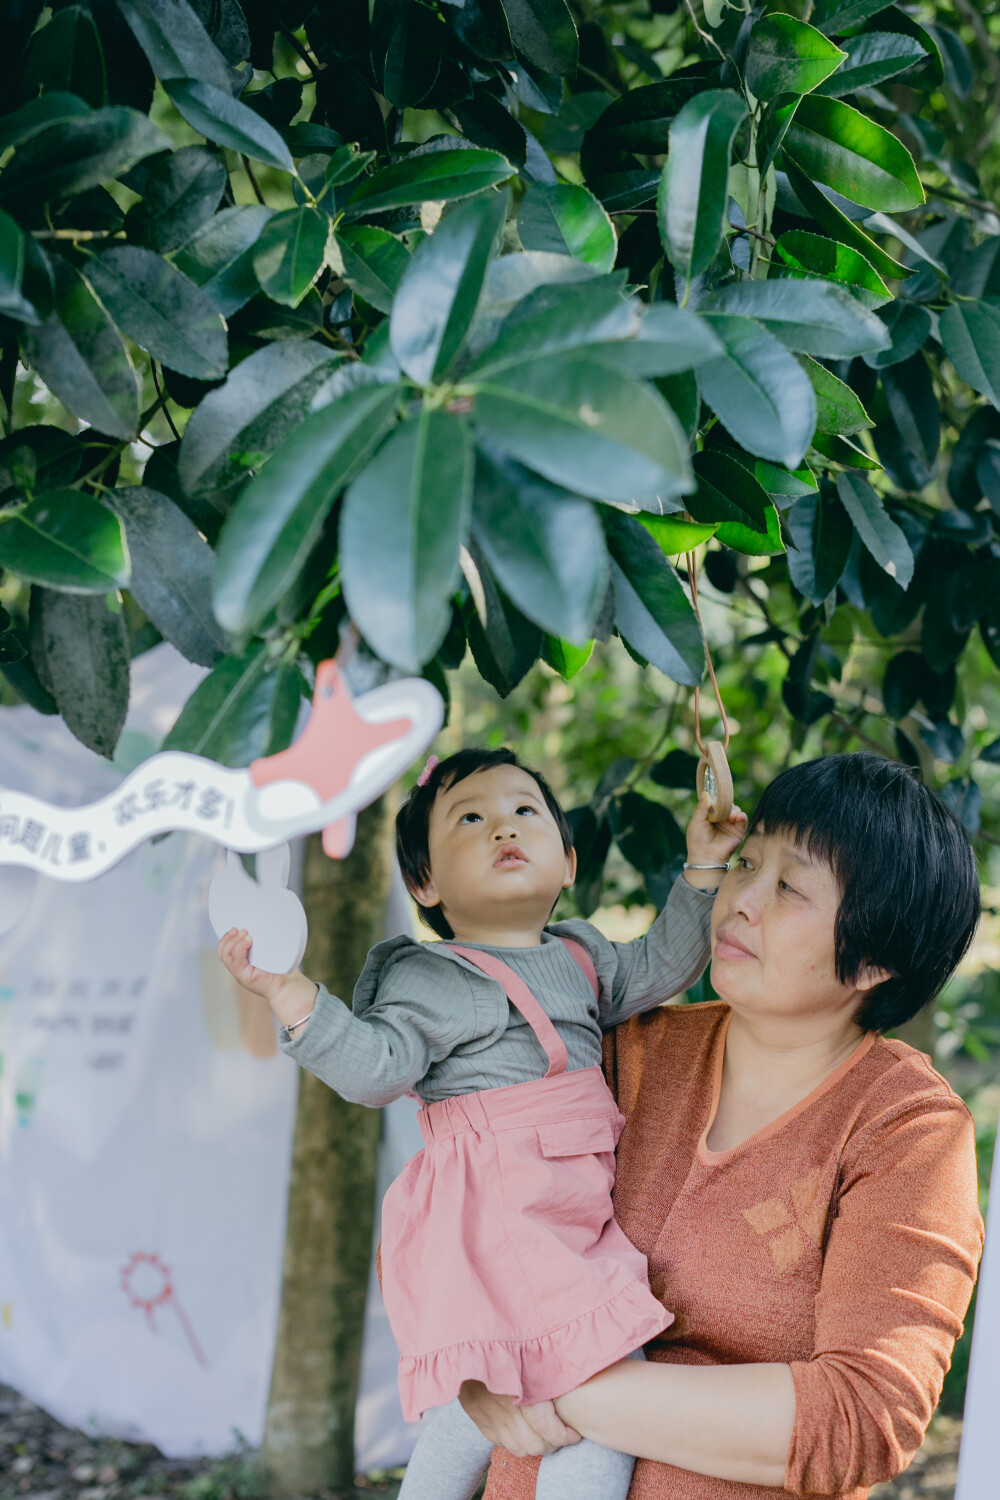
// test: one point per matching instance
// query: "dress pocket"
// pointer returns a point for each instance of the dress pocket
(576, 1137)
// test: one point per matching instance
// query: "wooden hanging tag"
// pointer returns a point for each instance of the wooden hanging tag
(715, 778)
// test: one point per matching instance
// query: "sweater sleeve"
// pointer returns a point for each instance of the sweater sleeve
(671, 955)
(419, 1015)
(898, 1273)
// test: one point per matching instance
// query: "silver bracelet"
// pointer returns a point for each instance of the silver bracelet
(286, 1031)
(688, 866)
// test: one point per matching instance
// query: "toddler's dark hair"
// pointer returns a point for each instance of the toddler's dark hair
(413, 818)
(909, 892)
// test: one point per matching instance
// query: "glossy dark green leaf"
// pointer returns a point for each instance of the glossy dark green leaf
(637, 122)
(78, 154)
(800, 697)
(836, 144)
(838, 409)
(787, 56)
(37, 115)
(66, 540)
(727, 491)
(182, 190)
(235, 428)
(879, 533)
(669, 341)
(374, 262)
(907, 419)
(171, 576)
(219, 258)
(79, 354)
(970, 333)
(443, 175)
(909, 326)
(810, 316)
(544, 32)
(757, 391)
(872, 57)
(279, 515)
(692, 194)
(842, 229)
(404, 519)
(652, 610)
(289, 255)
(164, 312)
(822, 533)
(979, 437)
(833, 16)
(784, 485)
(650, 838)
(81, 646)
(592, 841)
(226, 24)
(65, 56)
(504, 645)
(544, 546)
(437, 296)
(240, 711)
(750, 541)
(222, 119)
(568, 220)
(678, 768)
(814, 255)
(175, 42)
(13, 254)
(556, 319)
(588, 429)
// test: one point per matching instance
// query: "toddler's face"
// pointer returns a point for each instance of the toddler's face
(493, 842)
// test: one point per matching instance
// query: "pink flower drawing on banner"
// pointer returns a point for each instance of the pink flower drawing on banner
(147, 1283)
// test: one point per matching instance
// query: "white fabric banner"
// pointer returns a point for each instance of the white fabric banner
(979, 1458)
(146, 1118)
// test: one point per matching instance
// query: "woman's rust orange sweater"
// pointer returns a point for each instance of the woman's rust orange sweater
(842, 1240)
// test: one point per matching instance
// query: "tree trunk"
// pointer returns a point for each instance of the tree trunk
(309, 1435)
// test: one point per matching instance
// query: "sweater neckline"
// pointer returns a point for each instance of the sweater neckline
(717, 1158)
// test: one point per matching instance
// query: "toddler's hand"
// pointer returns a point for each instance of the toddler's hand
(713, 843)
(284, 993)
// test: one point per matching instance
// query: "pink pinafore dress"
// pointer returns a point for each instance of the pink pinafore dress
(501, 1257)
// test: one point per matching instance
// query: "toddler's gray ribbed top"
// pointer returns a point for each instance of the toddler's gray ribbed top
(426, 1020)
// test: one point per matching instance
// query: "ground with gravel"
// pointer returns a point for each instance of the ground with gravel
(41, 1460)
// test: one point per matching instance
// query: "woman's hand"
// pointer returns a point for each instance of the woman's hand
(525, 1431)
(290, 996)
(712, 843)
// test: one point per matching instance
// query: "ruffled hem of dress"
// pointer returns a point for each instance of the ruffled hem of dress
(540, 1368)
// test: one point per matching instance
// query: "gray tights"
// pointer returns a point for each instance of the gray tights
(452, 1456)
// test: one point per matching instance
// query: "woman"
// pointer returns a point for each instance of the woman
(804, 1189)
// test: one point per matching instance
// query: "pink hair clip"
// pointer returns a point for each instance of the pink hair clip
(428, 771)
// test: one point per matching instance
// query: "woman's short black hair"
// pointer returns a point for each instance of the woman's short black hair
(413, 818)
(909, 890)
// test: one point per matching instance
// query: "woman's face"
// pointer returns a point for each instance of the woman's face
(773, 934)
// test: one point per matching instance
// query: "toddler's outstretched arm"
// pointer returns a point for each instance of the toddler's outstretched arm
(290, 996)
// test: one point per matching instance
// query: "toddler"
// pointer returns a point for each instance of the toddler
(501, 1258)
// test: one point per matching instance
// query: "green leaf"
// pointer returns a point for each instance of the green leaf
(638, 121)
(66, 540)
(544, 31)
(76, 155)
(290, 252)
(588, 429)
(692, 195)
(507, 645)
(748, 539)
(278, 517)
(219, 258)
(404, 520)
(442, 175)
(222, 119)
(786, 56)
(837, 145)
(674, 537)
(840, 227)
(545, 547)
(879, 533)
(650, 838)
(182, 190)
(786, 484)
(164, 312)
(727, 491)
(669, 341)
(37, 115)
(436, 301)
(13, 253)
(556, 319)
(822, 532)
(838, 409)
(810, 316)
(653, 613)
(236, 427)
(84, 648)
(567, 220)
(374, 262)
(970, 333)
(757, 391)
(909, 327)
(814, 255)
(171, 575)
(565, 658)
(832, 17)
(176, 43)
(872, 57)
(66, 56)
(240, 711)
(79, 354)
